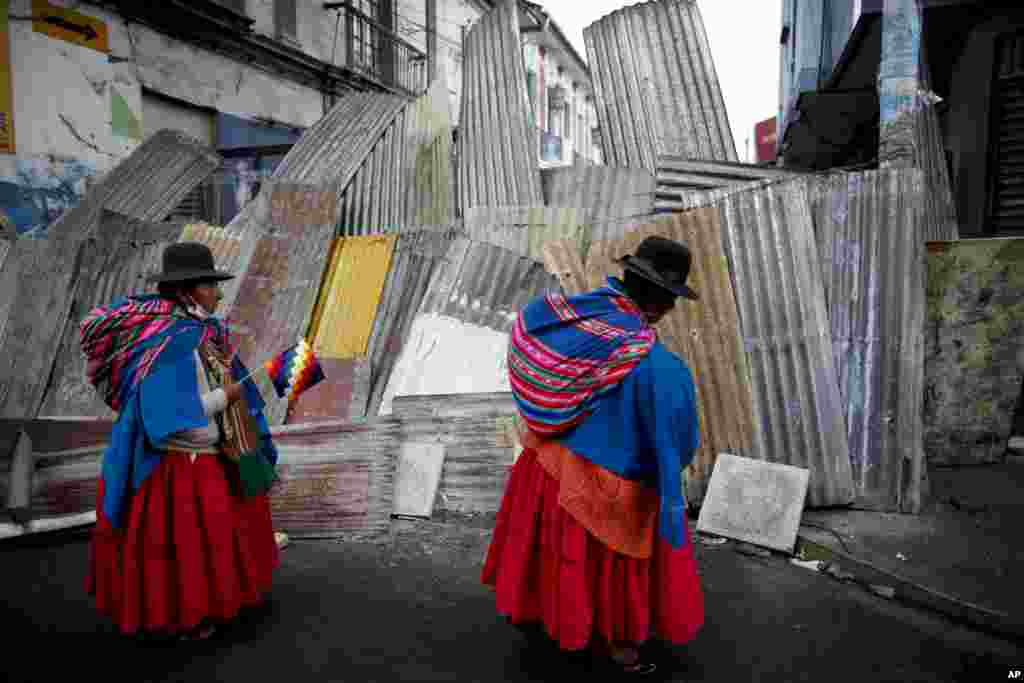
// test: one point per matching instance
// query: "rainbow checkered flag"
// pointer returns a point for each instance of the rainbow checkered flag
(294, 370)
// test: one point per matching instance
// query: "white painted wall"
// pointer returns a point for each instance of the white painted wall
(444, 355)
(62, 92)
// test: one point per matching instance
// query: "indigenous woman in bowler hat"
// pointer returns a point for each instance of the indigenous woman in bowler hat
(591, 547)
(183, 539)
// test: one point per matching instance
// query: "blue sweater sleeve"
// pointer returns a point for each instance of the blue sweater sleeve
(670, 414)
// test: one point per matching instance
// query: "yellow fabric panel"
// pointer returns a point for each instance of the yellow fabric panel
(347, 305)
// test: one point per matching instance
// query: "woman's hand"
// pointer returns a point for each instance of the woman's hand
(233, 391)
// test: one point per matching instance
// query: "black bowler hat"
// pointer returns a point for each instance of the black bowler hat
(663, 262)
(186, 261)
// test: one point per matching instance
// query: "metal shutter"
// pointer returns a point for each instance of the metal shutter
(1007, 210)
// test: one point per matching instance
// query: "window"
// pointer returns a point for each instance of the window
(1006, 212)
(286, 19)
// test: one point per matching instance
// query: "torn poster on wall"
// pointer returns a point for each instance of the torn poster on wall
(40, 190)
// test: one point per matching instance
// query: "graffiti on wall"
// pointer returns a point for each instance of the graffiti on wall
(40, 190)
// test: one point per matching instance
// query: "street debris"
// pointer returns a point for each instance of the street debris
(282, 540)
(713, 540)
(884, 591)
(901, 556)
(837, 573)
(813, 565)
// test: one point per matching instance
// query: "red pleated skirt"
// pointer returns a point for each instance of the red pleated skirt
(191, 549)
(546, 568)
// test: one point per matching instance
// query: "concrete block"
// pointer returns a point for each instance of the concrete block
(755, 501)
(418, 477)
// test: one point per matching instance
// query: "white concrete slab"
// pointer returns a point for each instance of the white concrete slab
(755, 501)
(418, 477)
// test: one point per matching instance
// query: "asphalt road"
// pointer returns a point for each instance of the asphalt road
(413, 610)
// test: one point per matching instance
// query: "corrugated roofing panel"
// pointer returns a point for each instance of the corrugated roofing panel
(116, 264)
(336, 479)
(769, 241)
(350, 295)
(683, 182)
(869, 235)
(292, 229)
(429, 176)
(525, 230)
(147, 186)
(706, 334)
(459, 338)
(480, 447)
(417, 256)
(656, 87)
(562, 259)
(940, 218)
(335, 147)
(614, 200)
(374, 202)
(497, 144)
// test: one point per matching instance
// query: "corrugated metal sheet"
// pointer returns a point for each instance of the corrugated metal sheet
(336, 478)
(429, 176)
(114, 264)
(374, 202)
(706, 334)
(497, 145)
(459, 338)
(147, 186)
(656, 87)
(291, 228)
(869, 237)
(524, 230)
(940, 218)
(477, 431)
(417, 256)
(562, 259)
(684, 182)
(769, 241)
(350, 295)
(975, 324)
(614, 200)
(333, 150)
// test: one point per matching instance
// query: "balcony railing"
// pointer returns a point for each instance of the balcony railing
(377, 52)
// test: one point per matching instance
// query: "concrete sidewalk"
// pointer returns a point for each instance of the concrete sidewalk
(962, 557)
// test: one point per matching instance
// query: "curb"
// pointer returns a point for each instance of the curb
(878, 580)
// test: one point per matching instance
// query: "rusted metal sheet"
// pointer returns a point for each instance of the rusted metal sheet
(682, 182)
(350, 295)
(872, 255)
(769, 242)
(656, 87)
(230, 252)
(478, 433)
(292, 230)
(497, 145)
(459, 337)
(336, 478)
(146, 186)
(614, 200)
(974, 328)
(340, 396)
(333, 150)
(416, 258)
(706, 334)
(114, 264)
(562, 259)
(525, 230)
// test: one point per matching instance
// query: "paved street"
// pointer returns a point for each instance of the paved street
(415, 611)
